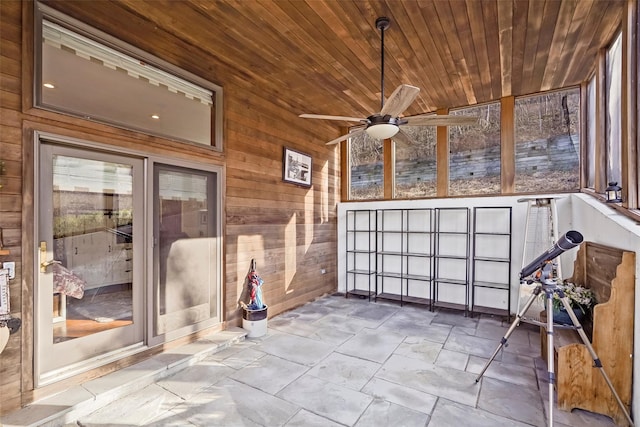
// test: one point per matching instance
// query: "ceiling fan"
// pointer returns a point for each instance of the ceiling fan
(387, 123)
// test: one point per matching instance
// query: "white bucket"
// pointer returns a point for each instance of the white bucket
(255, 322)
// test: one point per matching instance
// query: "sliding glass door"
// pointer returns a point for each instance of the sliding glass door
(187, 247)
(90, 258)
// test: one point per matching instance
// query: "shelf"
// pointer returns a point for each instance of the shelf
(490, 310)
(361, 272)
(491, 259)
(360, 251)
(405, 248)
(388, 274)
(361, 293)
(450, 305)
(491, 285)
(491, 275)
(451, 257)
(418, 254)
(417, 277)
(404, 299)
(451, 281)
(361, 259)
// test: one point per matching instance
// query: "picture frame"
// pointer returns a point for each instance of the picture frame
(296, 167)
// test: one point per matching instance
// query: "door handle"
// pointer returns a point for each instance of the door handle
(45, 264)
(43, 254)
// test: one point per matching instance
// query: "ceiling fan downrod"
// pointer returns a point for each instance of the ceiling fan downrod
(382, 24)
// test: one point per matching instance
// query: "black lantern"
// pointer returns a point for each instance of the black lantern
(613, 193)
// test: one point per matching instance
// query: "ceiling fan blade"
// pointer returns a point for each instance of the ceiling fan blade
(440, 120)
(399, 100)
(402, 137)
(343, 118)
(345, 137)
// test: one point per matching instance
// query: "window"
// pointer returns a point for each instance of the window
(474, 152)
(78, 74)
(590, 138)
(613, 110)
(415, 171)
(548, 142)
(366, 168)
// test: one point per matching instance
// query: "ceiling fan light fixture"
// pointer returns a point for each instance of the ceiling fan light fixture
(382, 130)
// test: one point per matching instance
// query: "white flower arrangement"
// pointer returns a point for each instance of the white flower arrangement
(579, 297)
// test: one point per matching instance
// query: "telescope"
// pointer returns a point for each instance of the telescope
(569, 240)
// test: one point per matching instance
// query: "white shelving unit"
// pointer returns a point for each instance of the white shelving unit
(491, 271)
(361, 253)
(451, 259)
(405, 242)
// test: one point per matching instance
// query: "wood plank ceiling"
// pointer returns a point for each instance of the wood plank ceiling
(323, 56)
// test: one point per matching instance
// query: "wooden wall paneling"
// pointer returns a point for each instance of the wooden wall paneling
(601, 25)
(575, 30)
(414, 32)
(519, 15)
(507, 145)
(463, 15)
(543, 45)
(493, 45)
(453, 91)
(425, 47)
(558, 42)
(11, 362)
(629, 148)
(454, 52)
(532, 31)
(442, 159)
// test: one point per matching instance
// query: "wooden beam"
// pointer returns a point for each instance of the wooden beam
(584, 135)
(507, 145)
(345, 171)
(442, 158)
(389, 162)
(629, 148)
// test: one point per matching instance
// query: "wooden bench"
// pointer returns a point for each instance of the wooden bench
(610, 273)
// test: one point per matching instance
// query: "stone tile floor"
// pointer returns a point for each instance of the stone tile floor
(350, 362)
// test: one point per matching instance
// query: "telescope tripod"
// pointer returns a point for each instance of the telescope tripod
(550, 287)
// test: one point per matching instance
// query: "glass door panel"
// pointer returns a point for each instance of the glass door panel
(187, 248)
(90, 281)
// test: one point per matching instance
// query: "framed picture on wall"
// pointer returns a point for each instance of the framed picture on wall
(296, 167)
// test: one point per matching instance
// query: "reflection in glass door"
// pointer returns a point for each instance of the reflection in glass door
(187, 249)
(89, 287)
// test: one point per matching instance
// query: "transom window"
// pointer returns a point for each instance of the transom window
(80, 75)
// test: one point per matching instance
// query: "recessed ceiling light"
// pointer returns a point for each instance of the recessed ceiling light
(49, 85)
(155, 116)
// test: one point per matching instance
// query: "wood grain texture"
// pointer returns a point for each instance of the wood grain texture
(610, 273)
(330, 51)
(276, 60)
